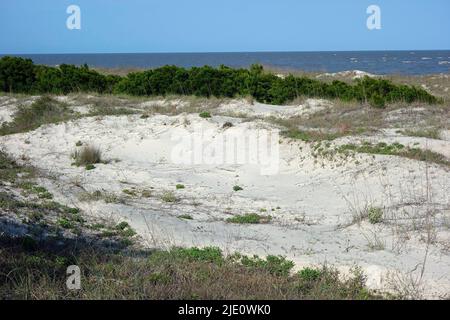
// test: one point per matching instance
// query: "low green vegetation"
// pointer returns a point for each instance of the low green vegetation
(237, 188)
(37, 270)
(397, 149)
(22, 76)
(426, 133)
(251, 218)
(186, 217)
(205, 114)
(169, 197)
(179, 186)
(309, 136)
(309, 274)
(375, 215)
(42, 111)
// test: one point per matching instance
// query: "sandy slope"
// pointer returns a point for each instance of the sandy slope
(312, 200)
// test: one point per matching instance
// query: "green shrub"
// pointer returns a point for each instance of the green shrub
(205, 114)
(308, 274)
(276, 265)
(65, 223)
(251, 218)
(16, 74)
(21, 75)
(237, 188)
(377, 101)
(169, 196)
(375, 215)
(185, 217)
(180, 186)
(207, 254)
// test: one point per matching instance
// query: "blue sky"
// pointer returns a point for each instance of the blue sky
(30, 26)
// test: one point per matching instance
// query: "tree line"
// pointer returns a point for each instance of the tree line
(19, 75)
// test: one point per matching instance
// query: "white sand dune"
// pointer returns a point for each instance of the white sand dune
(312, 201)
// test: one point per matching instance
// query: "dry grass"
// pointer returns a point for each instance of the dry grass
(87, 155)
(37, 270)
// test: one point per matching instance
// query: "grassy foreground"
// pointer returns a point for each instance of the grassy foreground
(33, 263)
(37, 270)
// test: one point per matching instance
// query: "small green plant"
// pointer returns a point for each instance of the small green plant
(237, 188)
(65, 223)
(72, 210)
(129, 192)
(205, 114)
(207, 254)
(180, 186)
(309, 274)
(375, 215)
(78, 144)
(251, 218)
(125, 230)
(185, 217)
(45, 195)
(89, 167)
(169, 196)
(275, 265)
(122, 225)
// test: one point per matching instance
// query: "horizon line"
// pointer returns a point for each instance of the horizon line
(228, 52)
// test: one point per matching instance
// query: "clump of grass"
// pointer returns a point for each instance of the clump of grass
(169, 197)
(425, 155)
(426, 133)
(185, 217)
(44, 110)
(397, 149)
(87, 156)
(237, 188)
(251, 218)
(205, 114)
(65, 223)
(78, 144)
(309, 274)
(375, 215)
(310, 136)
(125, 230)
(129, 192)
(162, 274)
(98, 195)
(380, 148)
(274, 265)
(180, 186)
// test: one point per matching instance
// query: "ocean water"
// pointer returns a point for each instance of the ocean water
(376, 62)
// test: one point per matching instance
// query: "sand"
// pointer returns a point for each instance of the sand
(312, 201)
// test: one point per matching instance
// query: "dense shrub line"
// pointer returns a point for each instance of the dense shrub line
(22, 76)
